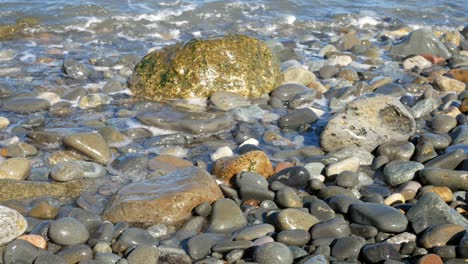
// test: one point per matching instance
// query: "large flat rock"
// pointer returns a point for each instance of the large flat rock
(168, 199)
(368, 122)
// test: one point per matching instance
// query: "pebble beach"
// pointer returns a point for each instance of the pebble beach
(269, 132)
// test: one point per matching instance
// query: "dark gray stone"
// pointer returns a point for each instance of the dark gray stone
(375, 253)
(383, 217)
(293, 176)
(334, 228)
(453, 179)
(297, 118)
(421, 41)
(199, 246)
(133, 237)
(347, 247)
(431, 210)
(298, 237)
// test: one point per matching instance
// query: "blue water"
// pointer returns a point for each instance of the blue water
(112, 28)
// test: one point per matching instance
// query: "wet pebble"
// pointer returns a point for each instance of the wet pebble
(273, 253)
(397, 172)
(383, 217)
(68, 231)
(226, 217)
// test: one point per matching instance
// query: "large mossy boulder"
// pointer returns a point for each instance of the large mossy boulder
(200, 67)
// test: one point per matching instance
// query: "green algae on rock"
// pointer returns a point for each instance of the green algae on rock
(200, 67)
(8, 31)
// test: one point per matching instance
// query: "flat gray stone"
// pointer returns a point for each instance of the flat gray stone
(421, 41)
(383, 217)
(431, 210)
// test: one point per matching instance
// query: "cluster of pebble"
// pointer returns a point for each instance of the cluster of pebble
(92, 176)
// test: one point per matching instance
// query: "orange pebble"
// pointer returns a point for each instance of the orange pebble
(283, 165)
(430, 259)
(35, 240)
(433, 59)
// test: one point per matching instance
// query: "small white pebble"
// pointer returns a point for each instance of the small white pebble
(250, 141)
(4, 122)
(318, 177)
(221, 153)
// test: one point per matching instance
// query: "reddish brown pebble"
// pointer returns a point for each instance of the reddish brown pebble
(252, 202)
(283, 165)
(430, 259)
(433, 59)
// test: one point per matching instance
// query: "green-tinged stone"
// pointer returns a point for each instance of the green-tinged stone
(8, 31)
(19, 190)
(200, 67)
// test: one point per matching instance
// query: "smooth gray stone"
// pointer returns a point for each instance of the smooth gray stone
(421, 41)
(273, 253)
(203, 209)
(104, 233)
(331, 191)
(68, 231)
(234, 256)
(392, 89)
(347, 247)
(443, 123)
(200, 246)
(109, 258)
(334, 228)
(424, 151)
(255, 231)
(321, 210)
(191, 228)
(26, 105)
(226, 217)
(226, 101)
(195, 123)
(341, 203)
(463, 147)
(20, 251)
(460, 135)
(365, 231)
(288, 198)
(226, 246)
(397, 172)
(252, 179)
(448, 161)
(287, 91)
(298, 237)
(431, 210)
(302, 98)
(144, 255)
(133, 237)
(453, 179)
(328, 71)
(375, 253)
(50, 259)
(76, 253)
(297, 118)
(402, 150)
(347, 179)
(439, 141)
(383, 217)
(250, 192)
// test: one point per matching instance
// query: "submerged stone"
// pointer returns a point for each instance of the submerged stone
(200, 67)
(421, 41)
